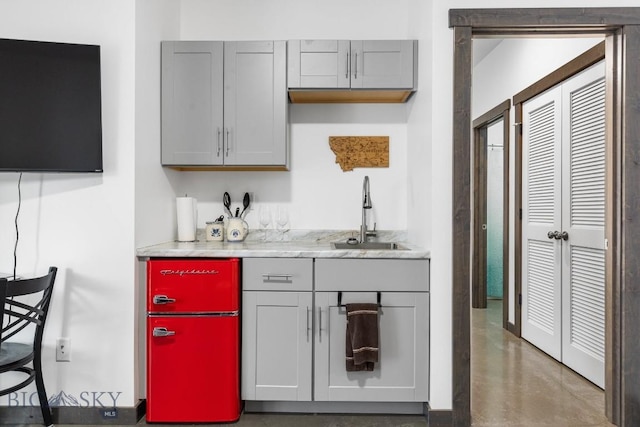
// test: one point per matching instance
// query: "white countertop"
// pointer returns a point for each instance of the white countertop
(315, 244)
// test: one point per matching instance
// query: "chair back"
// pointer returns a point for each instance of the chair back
(17, 314)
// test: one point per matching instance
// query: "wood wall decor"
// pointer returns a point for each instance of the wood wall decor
(360, 151)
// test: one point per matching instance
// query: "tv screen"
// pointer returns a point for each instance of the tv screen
(50, 107)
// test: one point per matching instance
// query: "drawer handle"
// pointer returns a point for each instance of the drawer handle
(277, 277)
(163, 299)
(162, 332)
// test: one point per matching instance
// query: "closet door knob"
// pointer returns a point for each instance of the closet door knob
(551, 234)
(564, 235)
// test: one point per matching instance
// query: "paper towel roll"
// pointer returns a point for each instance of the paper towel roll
(186, 210)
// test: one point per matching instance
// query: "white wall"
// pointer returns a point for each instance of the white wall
(419, 147)
(155, 212)
(156, 20)
(82, 223)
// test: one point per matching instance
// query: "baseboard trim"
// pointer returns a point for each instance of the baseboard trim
(404, 408)
(12, 415)
(439, 417)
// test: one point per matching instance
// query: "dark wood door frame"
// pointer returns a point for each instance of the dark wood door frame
(622, 28)
(479, 274)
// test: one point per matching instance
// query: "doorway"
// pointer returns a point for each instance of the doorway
(491, 210)
(622, 29)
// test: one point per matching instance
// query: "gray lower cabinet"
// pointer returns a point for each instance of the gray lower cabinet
(277, 334)
(355, 64)
(293, 332)
(402, 373)
(277, 344)
(224, 103)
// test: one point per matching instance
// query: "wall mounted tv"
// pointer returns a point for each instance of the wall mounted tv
(50, 107)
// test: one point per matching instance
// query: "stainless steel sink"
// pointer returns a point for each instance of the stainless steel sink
(368, 245)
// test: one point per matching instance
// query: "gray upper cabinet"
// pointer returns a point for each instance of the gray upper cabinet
(382, 64)
(224, 104)
(192, 116)
(318, 64)
(356, 64)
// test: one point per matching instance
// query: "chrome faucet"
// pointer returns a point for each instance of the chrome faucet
(366, 204)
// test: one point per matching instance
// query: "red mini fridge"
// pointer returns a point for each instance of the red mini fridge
(193, 340)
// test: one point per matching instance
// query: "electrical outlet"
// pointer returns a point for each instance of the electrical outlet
(63, 350)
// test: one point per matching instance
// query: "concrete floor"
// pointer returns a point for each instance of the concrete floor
(513, 384)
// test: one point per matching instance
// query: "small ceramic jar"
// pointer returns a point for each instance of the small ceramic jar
(237, 229)
(215, 231)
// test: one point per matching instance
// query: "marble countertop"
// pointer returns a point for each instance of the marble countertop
(296, 244)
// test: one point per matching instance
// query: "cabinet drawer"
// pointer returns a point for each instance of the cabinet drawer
(277, 274)
(395, 275)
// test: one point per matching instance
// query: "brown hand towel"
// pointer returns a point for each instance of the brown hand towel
(362, 337)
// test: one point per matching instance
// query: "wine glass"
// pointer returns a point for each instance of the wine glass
(265, 219)
(282, 219)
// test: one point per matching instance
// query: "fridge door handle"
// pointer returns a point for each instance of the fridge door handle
(162, 332)
(163, 299)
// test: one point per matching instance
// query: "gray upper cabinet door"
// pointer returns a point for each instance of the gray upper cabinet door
(383, 64)
(192, 103)
(319, 64)
(255, 103)
(355, 64)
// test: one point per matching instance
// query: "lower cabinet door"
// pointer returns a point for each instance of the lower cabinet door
(402, 373)
(277, 338)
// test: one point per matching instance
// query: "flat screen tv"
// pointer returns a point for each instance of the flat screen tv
(50, 107)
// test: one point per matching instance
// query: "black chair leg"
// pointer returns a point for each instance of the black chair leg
(42, 393)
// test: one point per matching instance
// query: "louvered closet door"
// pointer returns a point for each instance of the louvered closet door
(541, 205)
(563, 192)
(583, 219)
